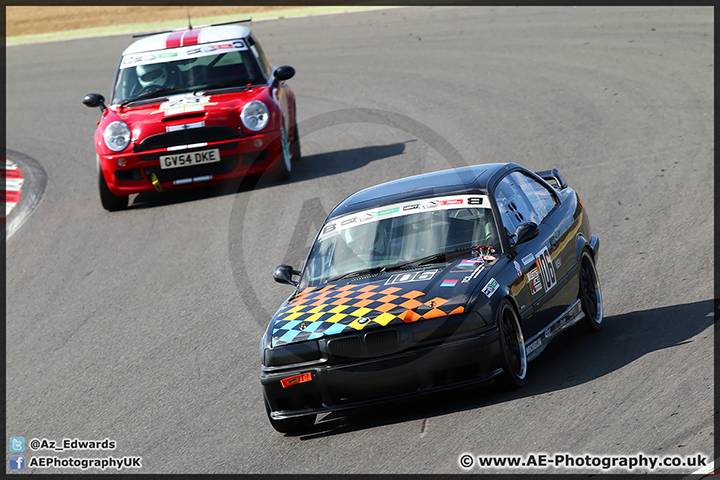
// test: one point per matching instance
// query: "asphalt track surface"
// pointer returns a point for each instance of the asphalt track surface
(143, 326)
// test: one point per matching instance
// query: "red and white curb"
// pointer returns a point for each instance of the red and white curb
(12, 186)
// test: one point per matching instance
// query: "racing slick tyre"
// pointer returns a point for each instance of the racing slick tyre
(109, 200)
(285, 167)
(291, 425)
(512, 346)
(295, 146)
(590, 297)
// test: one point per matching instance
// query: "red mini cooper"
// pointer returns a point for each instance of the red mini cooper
(192, 107)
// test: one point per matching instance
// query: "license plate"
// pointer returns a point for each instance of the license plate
(189, 159)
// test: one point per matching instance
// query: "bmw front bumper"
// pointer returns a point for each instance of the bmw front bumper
(321, 387)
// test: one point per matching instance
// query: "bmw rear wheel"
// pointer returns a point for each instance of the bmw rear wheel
(291, 425)
(109, 200)
(512, 346)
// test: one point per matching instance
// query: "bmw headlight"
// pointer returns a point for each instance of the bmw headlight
(117, 136)
(255, 115)
(292, 353)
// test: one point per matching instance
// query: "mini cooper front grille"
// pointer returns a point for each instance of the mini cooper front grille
(371, 344)
(187, 137)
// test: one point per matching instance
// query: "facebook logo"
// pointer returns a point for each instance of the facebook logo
(17, 462)
(17, 444)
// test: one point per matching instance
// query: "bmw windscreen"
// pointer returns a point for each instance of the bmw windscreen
(399, 234)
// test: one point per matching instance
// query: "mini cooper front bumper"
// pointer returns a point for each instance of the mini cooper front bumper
(220, 152)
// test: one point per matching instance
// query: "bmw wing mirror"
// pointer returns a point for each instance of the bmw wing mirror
(94, 100)
(284, 274)
(526, 231)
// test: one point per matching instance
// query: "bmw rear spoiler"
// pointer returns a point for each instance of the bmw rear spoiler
(553, 177)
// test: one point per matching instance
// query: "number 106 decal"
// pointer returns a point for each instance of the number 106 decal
(547, 269)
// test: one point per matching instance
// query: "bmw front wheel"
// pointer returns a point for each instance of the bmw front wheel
(512, 346)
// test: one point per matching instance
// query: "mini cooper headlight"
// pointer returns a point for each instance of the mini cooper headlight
(117, 136)
(255, 115)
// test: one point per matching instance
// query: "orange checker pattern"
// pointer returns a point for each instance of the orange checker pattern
(332, 310)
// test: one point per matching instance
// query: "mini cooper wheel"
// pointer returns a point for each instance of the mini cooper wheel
(512, 346)
(590, 295)
(285, 166)
(291, 425)
(295, 146)
(109, 200)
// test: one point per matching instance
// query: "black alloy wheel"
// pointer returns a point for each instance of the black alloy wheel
(512, 346)
(589, 294)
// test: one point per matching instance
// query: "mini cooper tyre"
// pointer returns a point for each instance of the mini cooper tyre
(295, 147)
(109, 200)
(285, 161)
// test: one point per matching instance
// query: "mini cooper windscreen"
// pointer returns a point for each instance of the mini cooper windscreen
(188, 69)
(393, 236)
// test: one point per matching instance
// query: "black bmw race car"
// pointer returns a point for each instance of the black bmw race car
(427, 283)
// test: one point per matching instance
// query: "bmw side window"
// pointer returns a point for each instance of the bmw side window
(539, 197)
(515, 209)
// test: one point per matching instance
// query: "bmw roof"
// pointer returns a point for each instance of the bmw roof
(187, 36)
(470, 179)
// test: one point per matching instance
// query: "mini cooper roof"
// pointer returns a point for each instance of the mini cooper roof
(470, 179)
(187, 36)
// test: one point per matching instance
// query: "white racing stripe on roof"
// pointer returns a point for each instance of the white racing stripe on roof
(157, 43)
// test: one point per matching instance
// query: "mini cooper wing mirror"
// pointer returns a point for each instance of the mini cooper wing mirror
(94, 100)
(524, 232)
(286, 72)
(284, 274)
